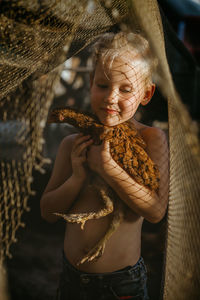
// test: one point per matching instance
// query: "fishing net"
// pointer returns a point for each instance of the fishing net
(36, 38)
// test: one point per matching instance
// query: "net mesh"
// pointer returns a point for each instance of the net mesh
(33, 38)
(36, 36)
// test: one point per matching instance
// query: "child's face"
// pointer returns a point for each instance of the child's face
(116, 92)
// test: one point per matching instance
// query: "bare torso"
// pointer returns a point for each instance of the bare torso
(122, 249)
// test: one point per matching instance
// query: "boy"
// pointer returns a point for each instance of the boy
(120, 82)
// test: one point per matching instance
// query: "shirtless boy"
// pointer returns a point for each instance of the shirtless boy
(120, 82)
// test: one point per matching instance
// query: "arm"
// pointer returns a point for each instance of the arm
(67, 177)
(150, 205)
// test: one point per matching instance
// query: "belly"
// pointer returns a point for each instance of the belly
(121, 249)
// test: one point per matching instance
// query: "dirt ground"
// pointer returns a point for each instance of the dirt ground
(33, 271)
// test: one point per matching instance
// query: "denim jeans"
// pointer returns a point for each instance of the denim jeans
(127, 283)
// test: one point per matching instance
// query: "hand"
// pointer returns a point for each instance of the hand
(78, 155)
(98, 157)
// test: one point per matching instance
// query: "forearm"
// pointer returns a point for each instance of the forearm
(139, 198)
(60, 199)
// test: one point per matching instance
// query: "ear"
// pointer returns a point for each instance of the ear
(148, 94)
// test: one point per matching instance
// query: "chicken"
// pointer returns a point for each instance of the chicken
(127, 149)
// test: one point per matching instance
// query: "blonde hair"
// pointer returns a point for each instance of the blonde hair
(110, 46)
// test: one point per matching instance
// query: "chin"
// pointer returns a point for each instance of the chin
(110, 122)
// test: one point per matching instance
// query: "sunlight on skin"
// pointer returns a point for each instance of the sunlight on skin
(117, 92)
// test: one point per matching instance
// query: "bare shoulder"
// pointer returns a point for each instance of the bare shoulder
(65, 148)
(155, 139)
(156, 142)
(62, 166)
(153, 135)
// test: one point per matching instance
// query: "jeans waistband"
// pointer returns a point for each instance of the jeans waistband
(88, 277)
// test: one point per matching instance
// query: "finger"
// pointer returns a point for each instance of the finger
(81, 150)
(81, 137)
(106, 145)
(79, 140)
(78, 136)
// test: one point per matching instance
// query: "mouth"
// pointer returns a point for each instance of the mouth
(110, 111)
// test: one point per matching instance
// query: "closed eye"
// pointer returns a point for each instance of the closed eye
(102, 86)
(127, 90)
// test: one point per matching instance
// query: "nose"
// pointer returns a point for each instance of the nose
(111, 97)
